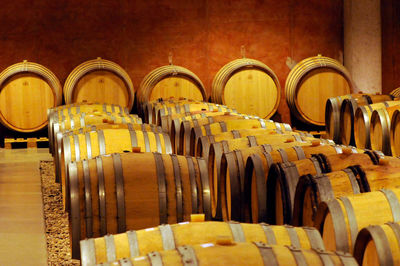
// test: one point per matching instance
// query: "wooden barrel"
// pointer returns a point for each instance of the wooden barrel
(257, 169)
(340, 220)
(352, 180)
(218, 149)
(148, 109)
(348, 110)
(91, 144)
(188, 109)
(395, 93)
(202, 145)
(332, 115)
(60, 135)
(99, 80)
(58, 115)
(319, 76)
(235, 254)
(83, 119)
(27, 90)
(378, 245)
(133, 191)
(171, 80)
(249, 86)
(380, 129)
(164, 237)
(187, 143)
(362, 124)
(395, 133)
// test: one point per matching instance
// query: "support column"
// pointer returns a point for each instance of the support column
(362, 44)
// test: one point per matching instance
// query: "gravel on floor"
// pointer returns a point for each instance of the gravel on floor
(56, 220)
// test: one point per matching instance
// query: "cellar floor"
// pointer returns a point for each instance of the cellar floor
(22, 230)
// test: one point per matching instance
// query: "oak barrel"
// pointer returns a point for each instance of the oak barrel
(249, 86)
(27, 91)
(340, 220)
(319, 76)
(99, 80)
(130, 191)
(166, 237)
(395, 133)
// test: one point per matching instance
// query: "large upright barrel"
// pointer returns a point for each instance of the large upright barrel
(27, 90)
(99, 80)
(249, 86)
(311, 83)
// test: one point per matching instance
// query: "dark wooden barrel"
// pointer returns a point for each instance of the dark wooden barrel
(131, 191)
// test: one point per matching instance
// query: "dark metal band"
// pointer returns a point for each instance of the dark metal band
(77, 150)
(235, 134)
(298, 256)
(261, 188)
(104, 108)
(88, 145)
(113, 108)
(178, 188)
(222, 124)
(267, 254)
(314, 237)
(339, 225)
(133, 243)
(294, 238)
(158, 142)
(325, 257)
(187, 108)
(269, 233)
(396, 230)
(177, 108)
(167, 143)
(134, 143)
(193, 186)
(210, 119)
(267, 147)
(72, 122)
(75, 208)
(102, 196)
(162, 188)
(316, 164)
(88, 199)
(120, 193)
(279, 128)
(268, 158)
(241, 168)
(82, 119)
(146, 141)
(224, 145)
(351, 218)
(353, 180)
(262, 123)
(393, 202)
(237, 231)
(208, 129)
(188, 255)
(324, 187)
(284, 155)
(195, 122)
(252, 141)
(382, 245)
(167, 236)
(203, 168)
(88, 252)
(102, 142)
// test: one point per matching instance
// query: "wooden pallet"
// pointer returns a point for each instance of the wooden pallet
(25, 143)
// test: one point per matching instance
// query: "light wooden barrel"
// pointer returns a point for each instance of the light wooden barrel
(332, 115)
(257, 169)
(148, 108)
(249, 86)
(235, 254)
(380, 129)
(60, 135)
(171, 80)
(27, 91)
(82, 119)
(340, 220)
(58, 115)
(91, 144)
(218, 149)
(166, 237)
(348, 110)
(395, 133)
(225, 126)
(319, 76)
(378, 245)
(188, 138)
(352, 180)
(362, 125)
(99, 80)
(131, 191)
(202, 144)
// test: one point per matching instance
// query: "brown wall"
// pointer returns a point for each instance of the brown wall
(390, 13)
(202, 34)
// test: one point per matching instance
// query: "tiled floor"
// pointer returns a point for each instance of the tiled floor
(22, 233)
